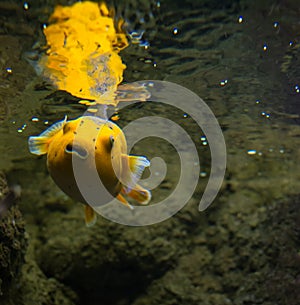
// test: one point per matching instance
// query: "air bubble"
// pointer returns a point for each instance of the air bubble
(265, 114)
(223, 82)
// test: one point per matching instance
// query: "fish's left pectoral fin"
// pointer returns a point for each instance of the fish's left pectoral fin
(139, 194)
(133, 168)
(90, 216)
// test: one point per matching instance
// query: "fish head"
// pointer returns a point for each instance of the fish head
(92, 143)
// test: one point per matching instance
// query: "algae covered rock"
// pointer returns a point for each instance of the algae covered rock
(107, 257)
(12, 248)
(36, 288)
(222, 257)
(13, 242)
(21, 280)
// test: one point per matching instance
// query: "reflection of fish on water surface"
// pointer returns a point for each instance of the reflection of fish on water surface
(82, 58)
(82, 50)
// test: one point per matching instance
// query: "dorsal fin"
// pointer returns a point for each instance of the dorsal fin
(53, 129)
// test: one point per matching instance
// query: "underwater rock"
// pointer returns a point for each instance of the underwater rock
(34, 285)
(223, 256)
(107, 257)
(21, 280)
(257, 266)
(13, 244)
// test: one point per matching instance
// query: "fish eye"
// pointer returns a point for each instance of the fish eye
(112, 140)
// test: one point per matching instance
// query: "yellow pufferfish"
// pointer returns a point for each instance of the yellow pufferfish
(67, 141)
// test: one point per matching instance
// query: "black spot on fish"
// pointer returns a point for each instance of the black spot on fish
(94, 140)
(74, 132)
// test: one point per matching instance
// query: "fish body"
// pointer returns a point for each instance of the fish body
(90, 142)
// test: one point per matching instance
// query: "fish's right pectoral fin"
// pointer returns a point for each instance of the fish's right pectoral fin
(38, 145)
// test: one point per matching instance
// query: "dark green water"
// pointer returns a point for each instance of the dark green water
(242, 59)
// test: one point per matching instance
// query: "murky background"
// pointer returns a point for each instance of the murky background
(242, 59)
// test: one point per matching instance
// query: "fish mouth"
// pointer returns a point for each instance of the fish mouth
(77, 150)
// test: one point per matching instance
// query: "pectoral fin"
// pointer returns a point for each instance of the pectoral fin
(38, 145)
(124, 201)
(139, 194)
